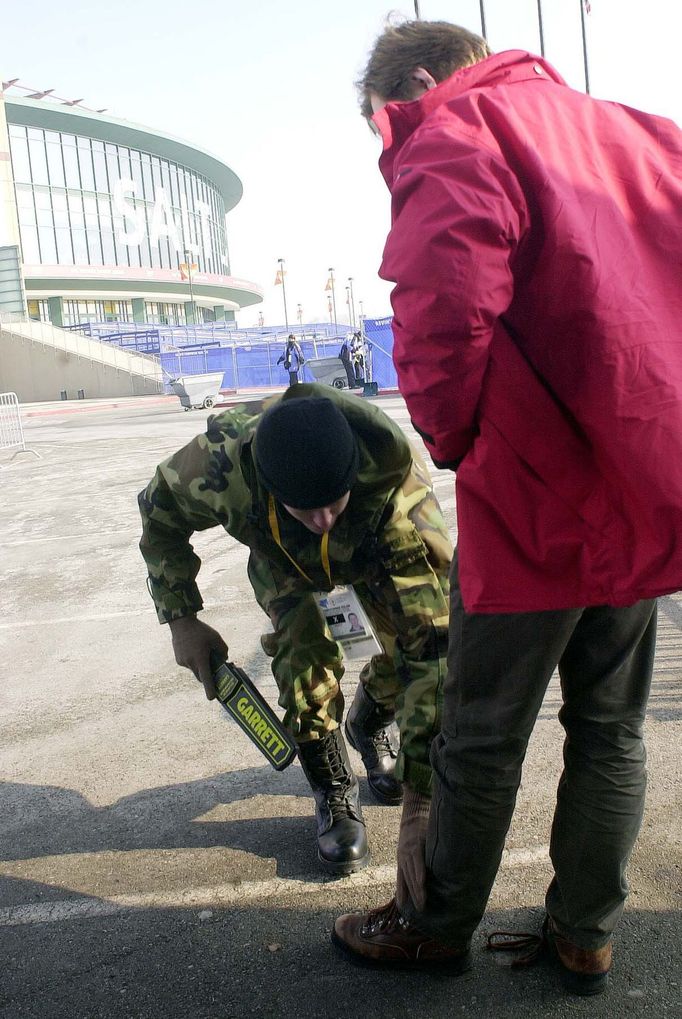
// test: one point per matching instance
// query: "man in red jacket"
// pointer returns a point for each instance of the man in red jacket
(536, 247)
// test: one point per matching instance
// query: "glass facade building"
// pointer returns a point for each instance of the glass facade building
(94, 194)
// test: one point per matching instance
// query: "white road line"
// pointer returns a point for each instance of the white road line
(219, 896)
(89, 535)
(79, 618)
(65, 620)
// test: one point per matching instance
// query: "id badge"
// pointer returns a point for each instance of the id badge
(348, 622)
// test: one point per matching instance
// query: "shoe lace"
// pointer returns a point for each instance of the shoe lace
(339, 772)
(384, 919)
(340, 779)
(382, 742)
(516, 941)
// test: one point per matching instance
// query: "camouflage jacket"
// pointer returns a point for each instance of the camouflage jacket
(391, 535)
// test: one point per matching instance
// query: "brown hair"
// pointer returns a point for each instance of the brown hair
(438, 46)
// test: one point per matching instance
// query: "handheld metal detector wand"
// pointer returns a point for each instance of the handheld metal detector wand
(252, 713)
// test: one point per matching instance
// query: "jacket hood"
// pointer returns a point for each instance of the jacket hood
(398, 120)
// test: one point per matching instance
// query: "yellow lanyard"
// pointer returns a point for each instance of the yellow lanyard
(324, 545)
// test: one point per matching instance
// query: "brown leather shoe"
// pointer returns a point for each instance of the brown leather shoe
(383, 937)
(583, 970)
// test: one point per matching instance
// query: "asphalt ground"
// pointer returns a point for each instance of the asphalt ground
(151, 865)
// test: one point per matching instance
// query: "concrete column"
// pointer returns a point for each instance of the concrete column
(55, 307)
(191, 313)
(138, 309)
(219, 312)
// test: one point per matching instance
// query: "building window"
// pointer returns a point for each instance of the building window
(55, 163)
(21, 166)
(30, 248)
(100, 166)
(71, 167)
(37, 157)
(87, 174)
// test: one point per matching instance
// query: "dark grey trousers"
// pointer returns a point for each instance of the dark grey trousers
(499, 667)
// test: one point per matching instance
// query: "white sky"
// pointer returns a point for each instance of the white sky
(267, 86)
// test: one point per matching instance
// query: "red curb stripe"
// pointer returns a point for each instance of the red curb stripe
(102, 406)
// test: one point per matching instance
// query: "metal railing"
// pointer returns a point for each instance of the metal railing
(11, 429)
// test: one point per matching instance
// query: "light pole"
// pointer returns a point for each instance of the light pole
(542, 31)
(284, 291)
(367, 346)
(331, 280)
(350, 319)
(482, 9)
(299, 313)
(585, 8)
(352, 302)
(190, 267)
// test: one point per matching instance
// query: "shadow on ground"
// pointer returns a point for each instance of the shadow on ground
(275, 820)
(274, 962)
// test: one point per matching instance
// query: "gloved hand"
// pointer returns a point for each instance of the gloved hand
(193, 642)
(414, 822)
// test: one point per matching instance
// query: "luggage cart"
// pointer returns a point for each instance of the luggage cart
(328, 370)
(197, 391)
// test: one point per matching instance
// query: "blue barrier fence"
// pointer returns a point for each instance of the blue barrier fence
(245, 366)
(247, 357)
(379, 337)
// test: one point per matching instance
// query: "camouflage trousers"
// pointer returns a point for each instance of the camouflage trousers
(406, 678)
(314, 703)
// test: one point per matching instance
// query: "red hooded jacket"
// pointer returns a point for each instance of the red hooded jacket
(537, 250)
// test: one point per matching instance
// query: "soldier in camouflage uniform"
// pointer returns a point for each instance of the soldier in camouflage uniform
(385, 536)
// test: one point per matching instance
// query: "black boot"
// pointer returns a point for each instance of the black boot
(371, 730)
(341, 834)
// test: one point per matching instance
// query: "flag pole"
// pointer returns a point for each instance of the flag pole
(352, 302)
(584, 35)
(331, 277)
(483, 29)
(284, 292)
(542, 34)
(190, 264)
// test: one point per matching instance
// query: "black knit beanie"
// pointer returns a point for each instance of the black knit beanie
(306, 453)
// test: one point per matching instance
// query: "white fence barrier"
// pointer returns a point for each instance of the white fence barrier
(11, 431)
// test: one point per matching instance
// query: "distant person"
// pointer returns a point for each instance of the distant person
(358, 358)
(536, 251)
(347, 359)
(292, 359)
(324, 490)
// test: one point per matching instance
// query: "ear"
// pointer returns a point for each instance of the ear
(421, 81)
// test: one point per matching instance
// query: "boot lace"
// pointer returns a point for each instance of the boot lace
(341, 780)
(381, 742)
(385, 920)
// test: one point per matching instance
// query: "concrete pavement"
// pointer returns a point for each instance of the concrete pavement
(151, 865)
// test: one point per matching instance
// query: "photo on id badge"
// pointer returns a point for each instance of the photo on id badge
(348, 622)
(354, 625)
(342, 623)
